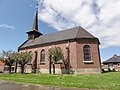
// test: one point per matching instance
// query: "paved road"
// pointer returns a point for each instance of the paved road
(5, 85)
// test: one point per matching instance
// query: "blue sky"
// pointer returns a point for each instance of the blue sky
(16, 18)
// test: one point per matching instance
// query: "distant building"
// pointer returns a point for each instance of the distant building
(5, 68)
(83, 53)
(112, 64)
(1, 65)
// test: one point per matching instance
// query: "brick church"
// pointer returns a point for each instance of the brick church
(79, 47)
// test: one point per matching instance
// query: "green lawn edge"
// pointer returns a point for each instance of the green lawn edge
(104, 81)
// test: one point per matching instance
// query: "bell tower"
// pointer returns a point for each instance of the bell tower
(34, 33)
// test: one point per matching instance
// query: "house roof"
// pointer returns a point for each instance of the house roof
(72, 33)
(112, 60)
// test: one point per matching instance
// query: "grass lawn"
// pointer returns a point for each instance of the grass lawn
(104, 81)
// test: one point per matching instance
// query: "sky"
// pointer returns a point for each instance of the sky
(99, 17)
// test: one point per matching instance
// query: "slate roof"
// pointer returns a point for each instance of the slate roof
(69, 34)
(112, 60)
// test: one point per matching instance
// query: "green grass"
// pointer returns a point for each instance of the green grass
(105, 81)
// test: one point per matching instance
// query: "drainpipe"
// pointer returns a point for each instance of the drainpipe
(68, 53)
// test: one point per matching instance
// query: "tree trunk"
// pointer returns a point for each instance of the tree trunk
(50, 66)
(16, 67)
(35, 63)
(34, 68)
(53, 68)
(22, 68)
(10, 67)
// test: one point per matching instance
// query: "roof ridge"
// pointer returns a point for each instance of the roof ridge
(67, 34)
(77, 30)
(81, 31)
(62, 30)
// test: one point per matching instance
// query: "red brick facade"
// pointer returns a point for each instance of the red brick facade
(77, 63)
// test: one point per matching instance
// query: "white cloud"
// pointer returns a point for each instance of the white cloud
(6, 26)
(100, 17)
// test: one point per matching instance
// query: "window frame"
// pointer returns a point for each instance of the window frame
(42, 56)
(87, 54)
(30, 61)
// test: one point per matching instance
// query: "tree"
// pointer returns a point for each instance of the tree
(55, 56)
(16, 58)
(23, 59)
(7, 58)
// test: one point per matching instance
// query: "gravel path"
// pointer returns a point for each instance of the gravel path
(5, 85)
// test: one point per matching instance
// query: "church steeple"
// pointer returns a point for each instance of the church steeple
(35, 23)
(34, 33)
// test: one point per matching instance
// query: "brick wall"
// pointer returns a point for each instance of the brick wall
(76, 55)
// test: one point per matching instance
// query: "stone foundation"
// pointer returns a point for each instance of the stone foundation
(64, 71)
(87, 71)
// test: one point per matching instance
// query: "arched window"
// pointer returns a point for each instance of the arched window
(30, 61)
(87, 55)
(42, 56)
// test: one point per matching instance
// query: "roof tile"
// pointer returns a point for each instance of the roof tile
(112, 60)
(72, 33)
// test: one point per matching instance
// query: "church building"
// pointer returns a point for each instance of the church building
(79, 47)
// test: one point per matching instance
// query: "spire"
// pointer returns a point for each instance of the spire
(35, 24)
(34, 33)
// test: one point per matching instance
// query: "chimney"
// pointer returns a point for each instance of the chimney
(115, 56)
